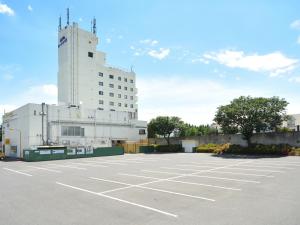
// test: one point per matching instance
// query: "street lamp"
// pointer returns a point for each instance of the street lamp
(20, 140)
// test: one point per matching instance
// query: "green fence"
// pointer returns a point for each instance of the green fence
(56, 153)
(147, 149)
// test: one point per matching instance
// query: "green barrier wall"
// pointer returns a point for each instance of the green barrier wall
(64, 153)
(108, 151)
(146, 149)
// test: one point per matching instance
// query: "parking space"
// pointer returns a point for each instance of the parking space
(152, 189)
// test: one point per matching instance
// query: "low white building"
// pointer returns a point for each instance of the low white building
(30, 126)
(97, 103)
(293, 123)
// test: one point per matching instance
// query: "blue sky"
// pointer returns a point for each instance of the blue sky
(189, 56)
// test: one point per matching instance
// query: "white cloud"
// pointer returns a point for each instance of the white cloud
(149, 42)
(294, 79)
(29, 7)
(159, 54)
(7, 76)
(108, 40)
(5, 9)
(80, 19)
(41, 93)
(295, 24)
(274, 63)
(195, 100)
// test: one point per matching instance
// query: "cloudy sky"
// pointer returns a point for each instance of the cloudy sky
(189, 56)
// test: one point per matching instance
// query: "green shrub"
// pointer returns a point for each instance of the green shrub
(258, 149)
(168, 148)
(212, 148)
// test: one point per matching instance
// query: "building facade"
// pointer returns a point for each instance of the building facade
(97, 104)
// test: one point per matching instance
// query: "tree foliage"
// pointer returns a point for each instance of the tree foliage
(247, 114)
(164, 126)
(188, 130)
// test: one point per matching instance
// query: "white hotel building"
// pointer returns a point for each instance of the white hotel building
(97, 104)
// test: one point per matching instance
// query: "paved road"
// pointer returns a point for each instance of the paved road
(151, 189)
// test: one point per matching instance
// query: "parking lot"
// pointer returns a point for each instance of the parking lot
(151, 189)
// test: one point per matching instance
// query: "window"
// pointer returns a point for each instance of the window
(100, 92)
(111, 94)
(100, 108)
(119, 104)
(131, 89)
(131, 97)
(100, 74)
(125, 88)
(112, 110)
(111, 76)
(131, 105)
(111, 103)
(119, 95)
(142, 131)
(90, 54)
(101, 102)
(125, 105)
(125, 79)
(131, 81)
(119, 87)
(100, 83)
(125, 96)
(34, 112)
(119, 78)
(111, 85)
(72, 131)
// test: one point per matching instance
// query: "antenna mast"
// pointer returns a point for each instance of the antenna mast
(59, 23)
(94, 26)
(68, 17)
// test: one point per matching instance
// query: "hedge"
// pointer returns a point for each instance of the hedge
(257, 149)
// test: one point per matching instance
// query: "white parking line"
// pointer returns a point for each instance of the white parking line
(87, 164)
(274, 167)
(246, 174)
(282, 162)
(118, 199)
(106, 162)
(67, 166)
(185, 182)
(275, 164)
(172, 168)
(184, 165)
(271, 171)
(149, 188)
(153, 171)
(16, 171)
(224, 178)
(42, 168)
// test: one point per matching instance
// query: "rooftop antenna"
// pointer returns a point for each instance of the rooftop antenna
(59, 23)
(94, 26)
(68, 17)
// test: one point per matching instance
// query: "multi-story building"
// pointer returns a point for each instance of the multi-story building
(293, 123)
(84, 78)
(97, 104)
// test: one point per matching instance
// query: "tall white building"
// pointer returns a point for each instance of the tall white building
(97, 104)
(85, 80)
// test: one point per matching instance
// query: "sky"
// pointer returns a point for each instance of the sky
(189, 56)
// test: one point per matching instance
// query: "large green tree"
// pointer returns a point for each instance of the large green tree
(247, 114)
(164, 126)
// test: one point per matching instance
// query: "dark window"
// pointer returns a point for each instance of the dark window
(100, 92)
(111, 76)
(100, 74)
(90, 54)
(142, 131)
(119, 78)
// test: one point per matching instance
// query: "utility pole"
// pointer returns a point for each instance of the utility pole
(43, 114)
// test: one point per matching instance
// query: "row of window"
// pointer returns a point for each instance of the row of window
(101, 102)
(72, 131)
(100, 74)
(112, 86)
(113, 95)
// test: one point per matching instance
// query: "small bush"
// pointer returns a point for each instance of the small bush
(258, 149)
(168, 148)
(212, 148)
